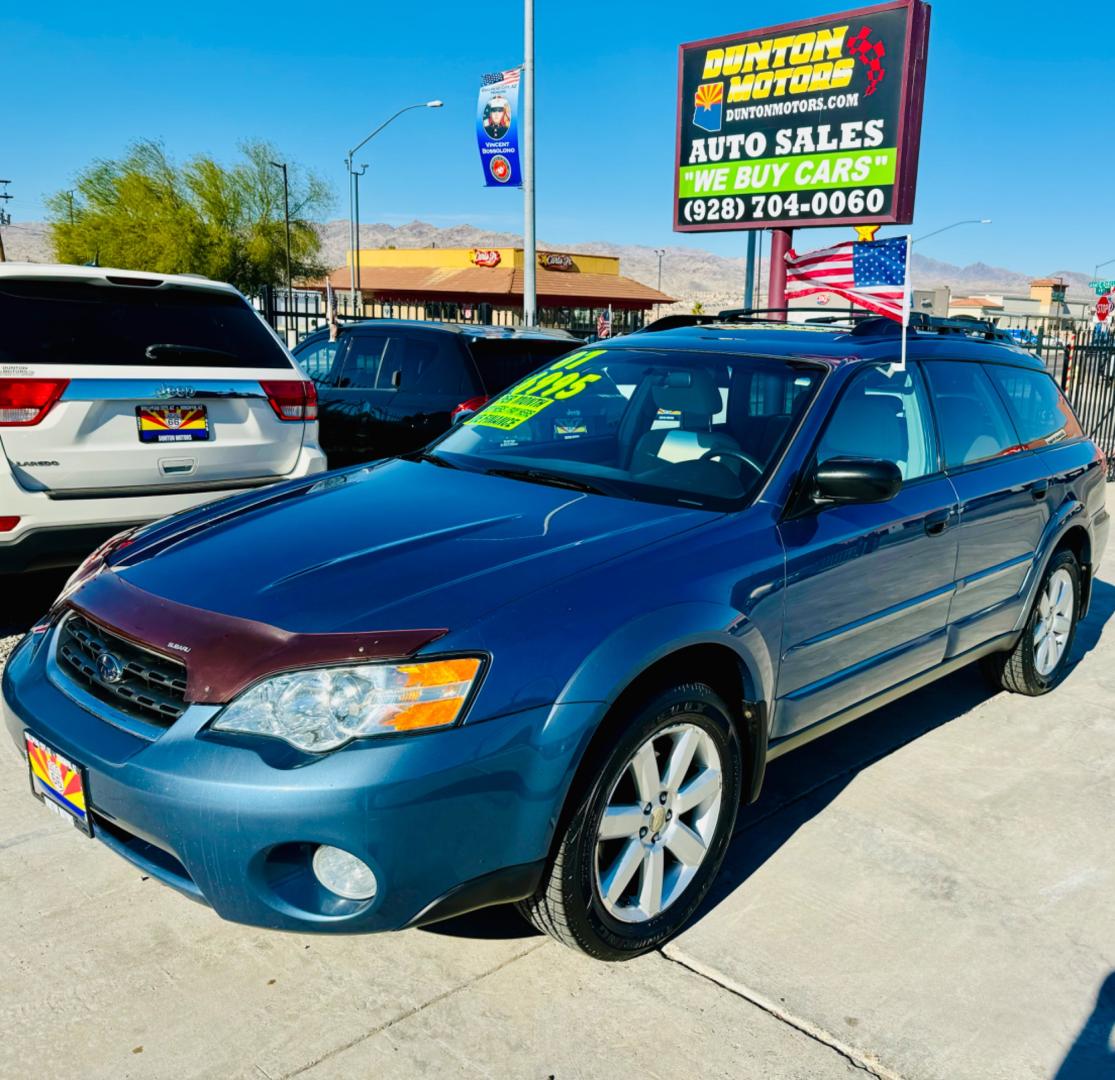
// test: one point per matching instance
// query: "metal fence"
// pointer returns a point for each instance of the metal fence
(306, 313)
(1086, 369)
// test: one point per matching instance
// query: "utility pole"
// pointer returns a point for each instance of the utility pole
(70, 199)
(530, 253)
(286, 218)
(5, 217)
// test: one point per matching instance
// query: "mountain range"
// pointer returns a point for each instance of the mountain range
(688, 274)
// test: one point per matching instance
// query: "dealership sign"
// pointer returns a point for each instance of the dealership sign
(811, 123)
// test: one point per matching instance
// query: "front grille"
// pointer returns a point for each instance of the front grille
(150, 687)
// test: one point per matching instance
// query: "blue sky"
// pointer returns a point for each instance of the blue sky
(1016, 125)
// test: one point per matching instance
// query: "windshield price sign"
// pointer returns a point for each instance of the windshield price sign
(812, 123)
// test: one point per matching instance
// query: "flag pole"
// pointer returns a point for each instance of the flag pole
(530, 257)
(905, 305)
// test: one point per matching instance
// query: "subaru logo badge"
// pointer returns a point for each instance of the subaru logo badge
(109, 668)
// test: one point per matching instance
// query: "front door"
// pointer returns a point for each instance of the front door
(868, 586)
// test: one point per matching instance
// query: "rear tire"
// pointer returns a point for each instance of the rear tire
(1040, 659)
(648, 831)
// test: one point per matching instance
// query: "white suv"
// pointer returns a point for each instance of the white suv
(127, 396)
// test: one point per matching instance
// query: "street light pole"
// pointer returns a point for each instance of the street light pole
(660, 252)
(530, 253)
(1095, 273)
(356, 217)
(286, 218)
(954, 225)
(352, 189)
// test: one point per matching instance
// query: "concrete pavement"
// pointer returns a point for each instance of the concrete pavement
(924, 894)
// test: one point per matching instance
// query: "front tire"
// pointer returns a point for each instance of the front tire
(648, 831)
(1040, 659)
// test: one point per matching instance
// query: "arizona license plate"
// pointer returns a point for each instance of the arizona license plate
(172, 423)
(58, 783)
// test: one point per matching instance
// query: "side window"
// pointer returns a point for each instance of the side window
(422, 364)
(316, 359)
(974, 423)
(884, 417)
(1040, 412)
(362, 361)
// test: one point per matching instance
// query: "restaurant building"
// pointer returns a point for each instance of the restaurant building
(486, 285)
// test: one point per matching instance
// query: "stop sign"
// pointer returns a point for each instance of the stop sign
(1103, 307)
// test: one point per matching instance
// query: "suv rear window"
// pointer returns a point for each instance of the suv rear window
(1040, 411)
(74, 323)
(502, 362)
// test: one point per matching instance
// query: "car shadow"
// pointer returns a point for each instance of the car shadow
(802, 784)
(1091, 1056)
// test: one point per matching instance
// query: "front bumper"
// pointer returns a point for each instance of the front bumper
(441, 817)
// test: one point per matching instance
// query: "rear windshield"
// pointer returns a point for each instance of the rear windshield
(506, 361)
(73, 323)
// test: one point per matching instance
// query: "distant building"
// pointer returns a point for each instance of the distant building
(1045, 306)
(486, 284)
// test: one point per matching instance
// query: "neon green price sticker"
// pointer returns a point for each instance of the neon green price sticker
(521, 403)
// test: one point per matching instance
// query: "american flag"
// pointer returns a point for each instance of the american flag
(869, 273)
(604, 323)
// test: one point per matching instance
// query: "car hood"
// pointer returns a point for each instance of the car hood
(400, 544)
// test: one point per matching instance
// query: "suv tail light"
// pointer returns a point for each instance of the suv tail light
(8, 523)
(472, 405)
(24, 402)
(292, 399)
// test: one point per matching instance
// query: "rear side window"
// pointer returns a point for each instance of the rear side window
(1040, 411)
(502, 362)
(316, 358)
(361, 370)
(426, 364)
(78, 324)
(973, 420)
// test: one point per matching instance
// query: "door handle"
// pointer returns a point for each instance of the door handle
(936, 524)
(1040, 490)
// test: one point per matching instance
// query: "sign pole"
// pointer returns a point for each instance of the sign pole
(780, 241)
(749, 279)
(530, 254)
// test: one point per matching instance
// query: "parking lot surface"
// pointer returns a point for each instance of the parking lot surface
(923, 894)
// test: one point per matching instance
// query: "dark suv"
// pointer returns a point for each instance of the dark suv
(387, 387)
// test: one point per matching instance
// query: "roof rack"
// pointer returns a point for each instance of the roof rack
(877, 326)
(760, 316)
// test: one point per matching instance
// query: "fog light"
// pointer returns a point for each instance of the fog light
(344, 874)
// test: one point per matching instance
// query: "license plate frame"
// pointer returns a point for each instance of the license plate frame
(47, 767)
(168, 424)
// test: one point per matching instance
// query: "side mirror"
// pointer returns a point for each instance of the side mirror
(856, 480)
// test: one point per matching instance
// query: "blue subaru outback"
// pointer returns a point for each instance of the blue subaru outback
(545, 659)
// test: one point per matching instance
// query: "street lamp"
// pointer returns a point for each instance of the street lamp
(660, 252)
(286, 218)
(352, 271)
(1099, 267)
(955, 224)
(356, 203)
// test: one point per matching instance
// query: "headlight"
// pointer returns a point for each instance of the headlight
(324, 708)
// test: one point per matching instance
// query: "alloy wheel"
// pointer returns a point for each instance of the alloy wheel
(658, 823)
(1055, 612)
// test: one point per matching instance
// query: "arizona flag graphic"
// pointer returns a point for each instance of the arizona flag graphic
(708, 112)
(57, 775)
(171, 423)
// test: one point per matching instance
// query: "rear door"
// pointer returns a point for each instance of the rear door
(430, 373)
(110, 387)
(1004, 500)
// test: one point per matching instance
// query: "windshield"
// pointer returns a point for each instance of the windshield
(76, 323)
(690, 429)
